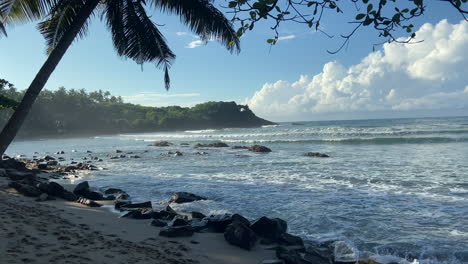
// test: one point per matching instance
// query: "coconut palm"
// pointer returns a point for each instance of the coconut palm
(134, 35)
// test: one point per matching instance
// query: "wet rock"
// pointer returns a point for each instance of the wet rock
(52, 163)
(94, 196)
(67, 195)
(218, 223)
(81, 188)
(269, 228)
(260, 149)
(291, 256)
(57, 190)
(202, 153)
(9, 163)
(26, 190)
(316, 154)
(177, 221)
(198, 215)
(162, 144)
(212, 145)
(199, 224)
(15, 175)
(42, 166)
(118, 151)
(290, 240)
(48, 158)
(240, 235)
(135, 157)
(177, 231)
(240, 219)
(88, 202)
(119, 204)
(136, 206)
(184, 144)
(240, 147)
(178, 154)
(89, 151)
(185, 197)
(320, 253)
(113, 191)
(137, 214)
(164, 215)
(3, 173)
(158, 223)
(122, 196)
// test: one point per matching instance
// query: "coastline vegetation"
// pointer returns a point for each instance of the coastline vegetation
(73, 112)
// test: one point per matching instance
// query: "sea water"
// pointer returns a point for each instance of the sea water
(393, 189)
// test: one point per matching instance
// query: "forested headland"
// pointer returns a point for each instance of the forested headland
(70, 112)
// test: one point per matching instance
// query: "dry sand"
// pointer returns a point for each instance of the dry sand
(65, 232)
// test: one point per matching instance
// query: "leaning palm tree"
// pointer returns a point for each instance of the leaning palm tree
(134, 35)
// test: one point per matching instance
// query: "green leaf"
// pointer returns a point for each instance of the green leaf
(369, 8)
(360, 16)
(6, 102)
(232, 4)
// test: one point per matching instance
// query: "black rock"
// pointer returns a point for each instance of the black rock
(136, 206)
(122, 196)
(81, 188)
(176, 231)
(290, 240)
(218, 223)
(164, 215)
(26, 190)
(139, 214)
(198, 215)
(240, 147)
(258, 148)
(240, 219)
(178, 222)
(291, 256)
(47, 158)
(118, 204)
(316, 154)
(118, 151)
(42, 166)
(9, 163)
(162, 144)
(212, 145)
(185, 197)
(88, 202)
(269, 228)
(94, 196)
(158, 223)
(113, 191)
(16, 175)
(52, 163)
(240, 235)
(67, 195)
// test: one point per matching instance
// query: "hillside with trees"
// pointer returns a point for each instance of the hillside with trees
(75, 112)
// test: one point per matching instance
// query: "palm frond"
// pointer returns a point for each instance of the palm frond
(204, 19)
(62, 15)
(19, 11)
(136, 37)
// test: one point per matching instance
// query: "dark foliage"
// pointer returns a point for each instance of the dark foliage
(73, 112)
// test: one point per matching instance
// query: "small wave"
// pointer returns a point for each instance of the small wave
(266, 126)
(382, 140)
(201, 131)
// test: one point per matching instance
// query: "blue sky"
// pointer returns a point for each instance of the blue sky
(199, 74)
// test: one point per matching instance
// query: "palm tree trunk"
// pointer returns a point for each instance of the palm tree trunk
(21, 112)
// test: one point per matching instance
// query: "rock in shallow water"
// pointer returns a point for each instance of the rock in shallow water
(316, 154)
(260, 149)
(185, 197)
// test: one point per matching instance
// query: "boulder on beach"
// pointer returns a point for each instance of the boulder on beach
(136, 206)
(219, 223)
(88, 202)
(259, 149)
(212, 145)
(158, 223)
(316, 154)
(9, 163)
(292, 256)
(178, 221)
(16, 175)
(139, 214)
(240, 235)
(57, 190)
(185, 197)
(162, 144)
(270, 228)
(164, 215)
(82, 189)
(26, 190)
(176, 231)
(290, 240)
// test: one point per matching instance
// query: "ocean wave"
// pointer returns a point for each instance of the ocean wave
(381, 140)
(201, 131)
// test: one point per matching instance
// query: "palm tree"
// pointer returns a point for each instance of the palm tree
(134, 35)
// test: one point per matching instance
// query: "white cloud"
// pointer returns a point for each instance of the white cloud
(429, 75)
(161, 99)
(195, 44)
(286, 37)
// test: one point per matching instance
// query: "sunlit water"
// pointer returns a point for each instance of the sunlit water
(391, 187)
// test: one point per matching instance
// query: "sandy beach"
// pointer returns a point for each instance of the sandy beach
(66, 232)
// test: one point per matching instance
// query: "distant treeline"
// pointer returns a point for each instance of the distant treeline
(73, 112)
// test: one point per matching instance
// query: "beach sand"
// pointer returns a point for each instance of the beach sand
(66, 232)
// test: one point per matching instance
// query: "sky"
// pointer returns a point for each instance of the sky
(294, 80)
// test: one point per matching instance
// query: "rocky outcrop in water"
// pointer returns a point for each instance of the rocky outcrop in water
(212, 145)
(185, 197)
(260, 149)
(316, 154)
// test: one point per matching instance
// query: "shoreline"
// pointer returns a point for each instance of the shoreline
(99, 236)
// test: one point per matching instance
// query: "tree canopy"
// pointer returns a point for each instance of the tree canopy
(73, 112)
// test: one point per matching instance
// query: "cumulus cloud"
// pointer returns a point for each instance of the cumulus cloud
(429, 75)
(286, 37)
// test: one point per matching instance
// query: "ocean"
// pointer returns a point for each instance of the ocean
(393, 189)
